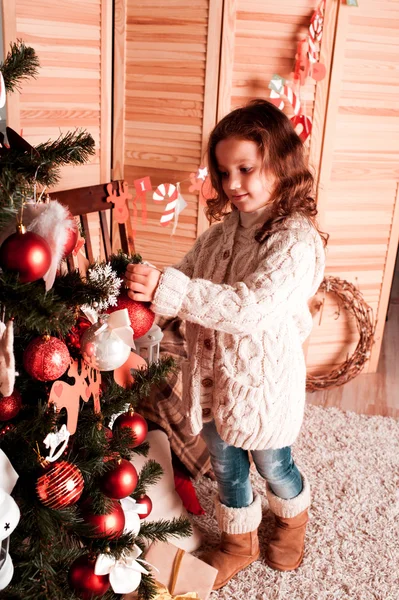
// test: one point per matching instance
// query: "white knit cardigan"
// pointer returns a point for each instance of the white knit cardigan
(251, 310)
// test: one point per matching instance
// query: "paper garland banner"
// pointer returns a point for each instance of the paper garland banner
(142, 186)
(302, 124)
(167, 192)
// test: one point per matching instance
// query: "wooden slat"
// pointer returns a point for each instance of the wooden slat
(88, 245)
(105, 234)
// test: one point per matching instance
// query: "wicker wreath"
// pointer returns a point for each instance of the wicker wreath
(350, 299)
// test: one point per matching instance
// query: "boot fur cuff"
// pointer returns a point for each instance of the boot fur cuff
(239, 520)
(289, 508)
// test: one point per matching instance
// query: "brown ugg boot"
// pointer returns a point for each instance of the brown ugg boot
(239, 546)
(286, 546)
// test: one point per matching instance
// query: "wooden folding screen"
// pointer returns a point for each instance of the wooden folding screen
(73, 41)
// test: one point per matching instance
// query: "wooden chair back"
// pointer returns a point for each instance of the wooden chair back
(97, 199)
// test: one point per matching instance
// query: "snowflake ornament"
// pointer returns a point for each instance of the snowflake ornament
(103, 273)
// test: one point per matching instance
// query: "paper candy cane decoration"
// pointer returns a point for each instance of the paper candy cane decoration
(317, 69)
(175, 203)
(316, 32)
(279, 88)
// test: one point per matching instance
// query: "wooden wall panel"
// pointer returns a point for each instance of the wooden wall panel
(73, 40)
(265, 41)
(171, 69)
(359, 170)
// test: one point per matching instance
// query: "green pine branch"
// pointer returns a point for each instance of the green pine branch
(150, 474)
(162, 530)
(120, 260)
(20, 63)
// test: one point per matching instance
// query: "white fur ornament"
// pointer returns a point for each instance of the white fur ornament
(52, 223)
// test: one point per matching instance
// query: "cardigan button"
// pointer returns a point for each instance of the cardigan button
(207, 382)
(206, 412)
(226, 254)
(208, 343)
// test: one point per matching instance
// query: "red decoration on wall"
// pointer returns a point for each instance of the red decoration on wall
(142, 186)
(64, 395)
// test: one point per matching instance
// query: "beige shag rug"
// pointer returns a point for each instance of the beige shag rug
(352, 542)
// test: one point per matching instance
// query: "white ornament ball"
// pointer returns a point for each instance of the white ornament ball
(103, 350)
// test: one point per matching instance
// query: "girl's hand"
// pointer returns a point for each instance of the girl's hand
(141, 281)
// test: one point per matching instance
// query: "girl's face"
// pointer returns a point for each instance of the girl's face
(244, 181)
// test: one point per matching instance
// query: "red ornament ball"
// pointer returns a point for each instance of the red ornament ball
(110, 524)
(137, 425)
(120, 481)
(46, 358)
(144, 503)
(10, 406)
(84, 581)
(60, 486)
(27, 254)
(72, 237)
(141, 317)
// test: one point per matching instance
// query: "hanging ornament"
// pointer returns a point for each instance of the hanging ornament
(140, 315)
(7, 360)
(56, 442)
(105, 275)
(110, 524)
(84, 581)
(106, 345)
(25, 253)
(73, 338)
(60, 486)
(124, 573)
(65, 395)
(46, 358)
(132, 511)
(145, 504)
(120, 481)
(72, 234)
(136, 423)
(10, 406)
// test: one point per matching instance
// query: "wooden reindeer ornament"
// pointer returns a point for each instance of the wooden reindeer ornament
(64, 395)
(121, 210)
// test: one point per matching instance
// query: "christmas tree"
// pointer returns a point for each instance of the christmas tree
(63, 343)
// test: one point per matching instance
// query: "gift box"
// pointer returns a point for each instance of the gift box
(179, 571)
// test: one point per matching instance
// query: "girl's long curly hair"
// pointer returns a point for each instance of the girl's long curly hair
(282, 154)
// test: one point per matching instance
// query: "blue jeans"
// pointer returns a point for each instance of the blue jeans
(231, 468)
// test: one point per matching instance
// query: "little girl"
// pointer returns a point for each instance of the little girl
(243, 290)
